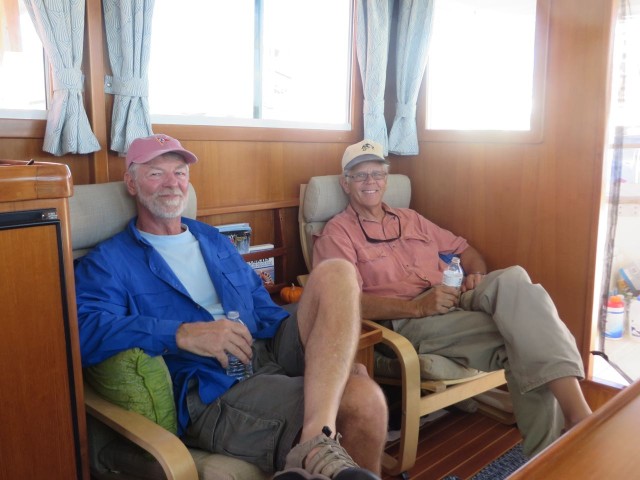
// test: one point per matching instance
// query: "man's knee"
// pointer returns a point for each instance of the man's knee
(363, 398)
(335, 273)
(515, 274)
(334, 267)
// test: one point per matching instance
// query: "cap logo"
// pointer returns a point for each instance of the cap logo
(367, 146)
(161, 140)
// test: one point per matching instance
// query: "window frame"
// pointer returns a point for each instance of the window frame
(95, 66)
(222, 128)
(535, 133)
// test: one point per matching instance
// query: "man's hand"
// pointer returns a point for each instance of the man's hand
(437, 300)
(216, 339)
(471, 281)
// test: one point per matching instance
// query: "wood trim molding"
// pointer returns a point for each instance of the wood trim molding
(208, 211)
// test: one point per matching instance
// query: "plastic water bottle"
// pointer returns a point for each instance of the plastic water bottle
(236, 368)
(614, 325)
(452, 276)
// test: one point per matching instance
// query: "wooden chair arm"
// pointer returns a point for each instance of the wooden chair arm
(402, 348)
(169, 451)
(410, 415)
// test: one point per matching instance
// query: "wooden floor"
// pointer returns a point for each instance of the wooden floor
(460, 444)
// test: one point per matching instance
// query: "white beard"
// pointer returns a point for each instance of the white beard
(162, 207)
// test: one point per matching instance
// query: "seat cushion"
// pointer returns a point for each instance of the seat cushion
(325, 198)
(212, 466)
(136, 381)
(432, 367)
(130, 461)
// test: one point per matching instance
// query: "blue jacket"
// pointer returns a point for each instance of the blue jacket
(127, 297)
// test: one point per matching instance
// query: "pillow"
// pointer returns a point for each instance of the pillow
(135, 381)
(432, 367)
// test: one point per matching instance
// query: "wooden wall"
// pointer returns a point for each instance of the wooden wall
(535, 204)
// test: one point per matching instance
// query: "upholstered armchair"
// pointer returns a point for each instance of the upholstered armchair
(320, 200)
(128, 398)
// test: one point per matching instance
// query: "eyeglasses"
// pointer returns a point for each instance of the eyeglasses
(381, 240)
(362, 176)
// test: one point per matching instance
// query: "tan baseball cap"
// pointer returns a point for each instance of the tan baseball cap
(364, 151)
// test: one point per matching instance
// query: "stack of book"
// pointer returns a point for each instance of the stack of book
(264, 267)
(239, 234)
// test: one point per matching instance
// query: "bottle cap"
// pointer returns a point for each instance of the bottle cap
(615, 301)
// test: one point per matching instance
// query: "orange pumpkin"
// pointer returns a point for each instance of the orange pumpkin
(291, 294)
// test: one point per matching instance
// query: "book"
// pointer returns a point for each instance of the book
(239, 234)
(264, 268)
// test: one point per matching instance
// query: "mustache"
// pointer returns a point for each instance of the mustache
(169, 191)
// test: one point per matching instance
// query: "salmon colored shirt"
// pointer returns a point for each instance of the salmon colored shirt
(402, 268)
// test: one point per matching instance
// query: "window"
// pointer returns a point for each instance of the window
(481, 72)
(23, 92)
(272, 63)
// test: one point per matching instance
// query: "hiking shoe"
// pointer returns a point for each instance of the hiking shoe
(297, 474)
(331, 461)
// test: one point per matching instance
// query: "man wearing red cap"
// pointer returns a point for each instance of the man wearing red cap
(165, 285)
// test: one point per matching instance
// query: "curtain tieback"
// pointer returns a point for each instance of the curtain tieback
(128, 87)
(373, 107)
(68, 79)
(405, 110)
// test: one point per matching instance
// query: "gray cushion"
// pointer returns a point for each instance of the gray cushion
(99, 211)
(125, 457)
(324, 197)
(212, 466)
(432, 367)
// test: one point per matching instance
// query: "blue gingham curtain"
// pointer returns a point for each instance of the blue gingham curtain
(128, 29)
(414, 30)
(60, 26)
(372, 48)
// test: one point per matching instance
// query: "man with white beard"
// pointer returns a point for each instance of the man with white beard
(166, 285)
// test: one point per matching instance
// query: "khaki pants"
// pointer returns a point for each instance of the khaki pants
(507, 322)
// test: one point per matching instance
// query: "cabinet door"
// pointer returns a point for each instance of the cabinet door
(39, 436)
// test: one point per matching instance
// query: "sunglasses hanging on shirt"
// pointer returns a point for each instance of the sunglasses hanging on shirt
(381, 240)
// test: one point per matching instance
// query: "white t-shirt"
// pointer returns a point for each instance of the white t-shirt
(182, 253)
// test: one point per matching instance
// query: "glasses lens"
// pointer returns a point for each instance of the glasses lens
(362, 176)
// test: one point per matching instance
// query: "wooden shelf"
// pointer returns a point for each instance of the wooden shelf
(280, 251)
(253, 207)
(273, 252)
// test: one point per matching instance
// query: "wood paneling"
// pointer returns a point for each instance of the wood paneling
(43, 431)
(597, 393)
(602, 446)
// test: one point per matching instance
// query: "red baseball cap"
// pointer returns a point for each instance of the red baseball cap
(145, 149)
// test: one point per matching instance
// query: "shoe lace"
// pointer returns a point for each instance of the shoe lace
(331, 458)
